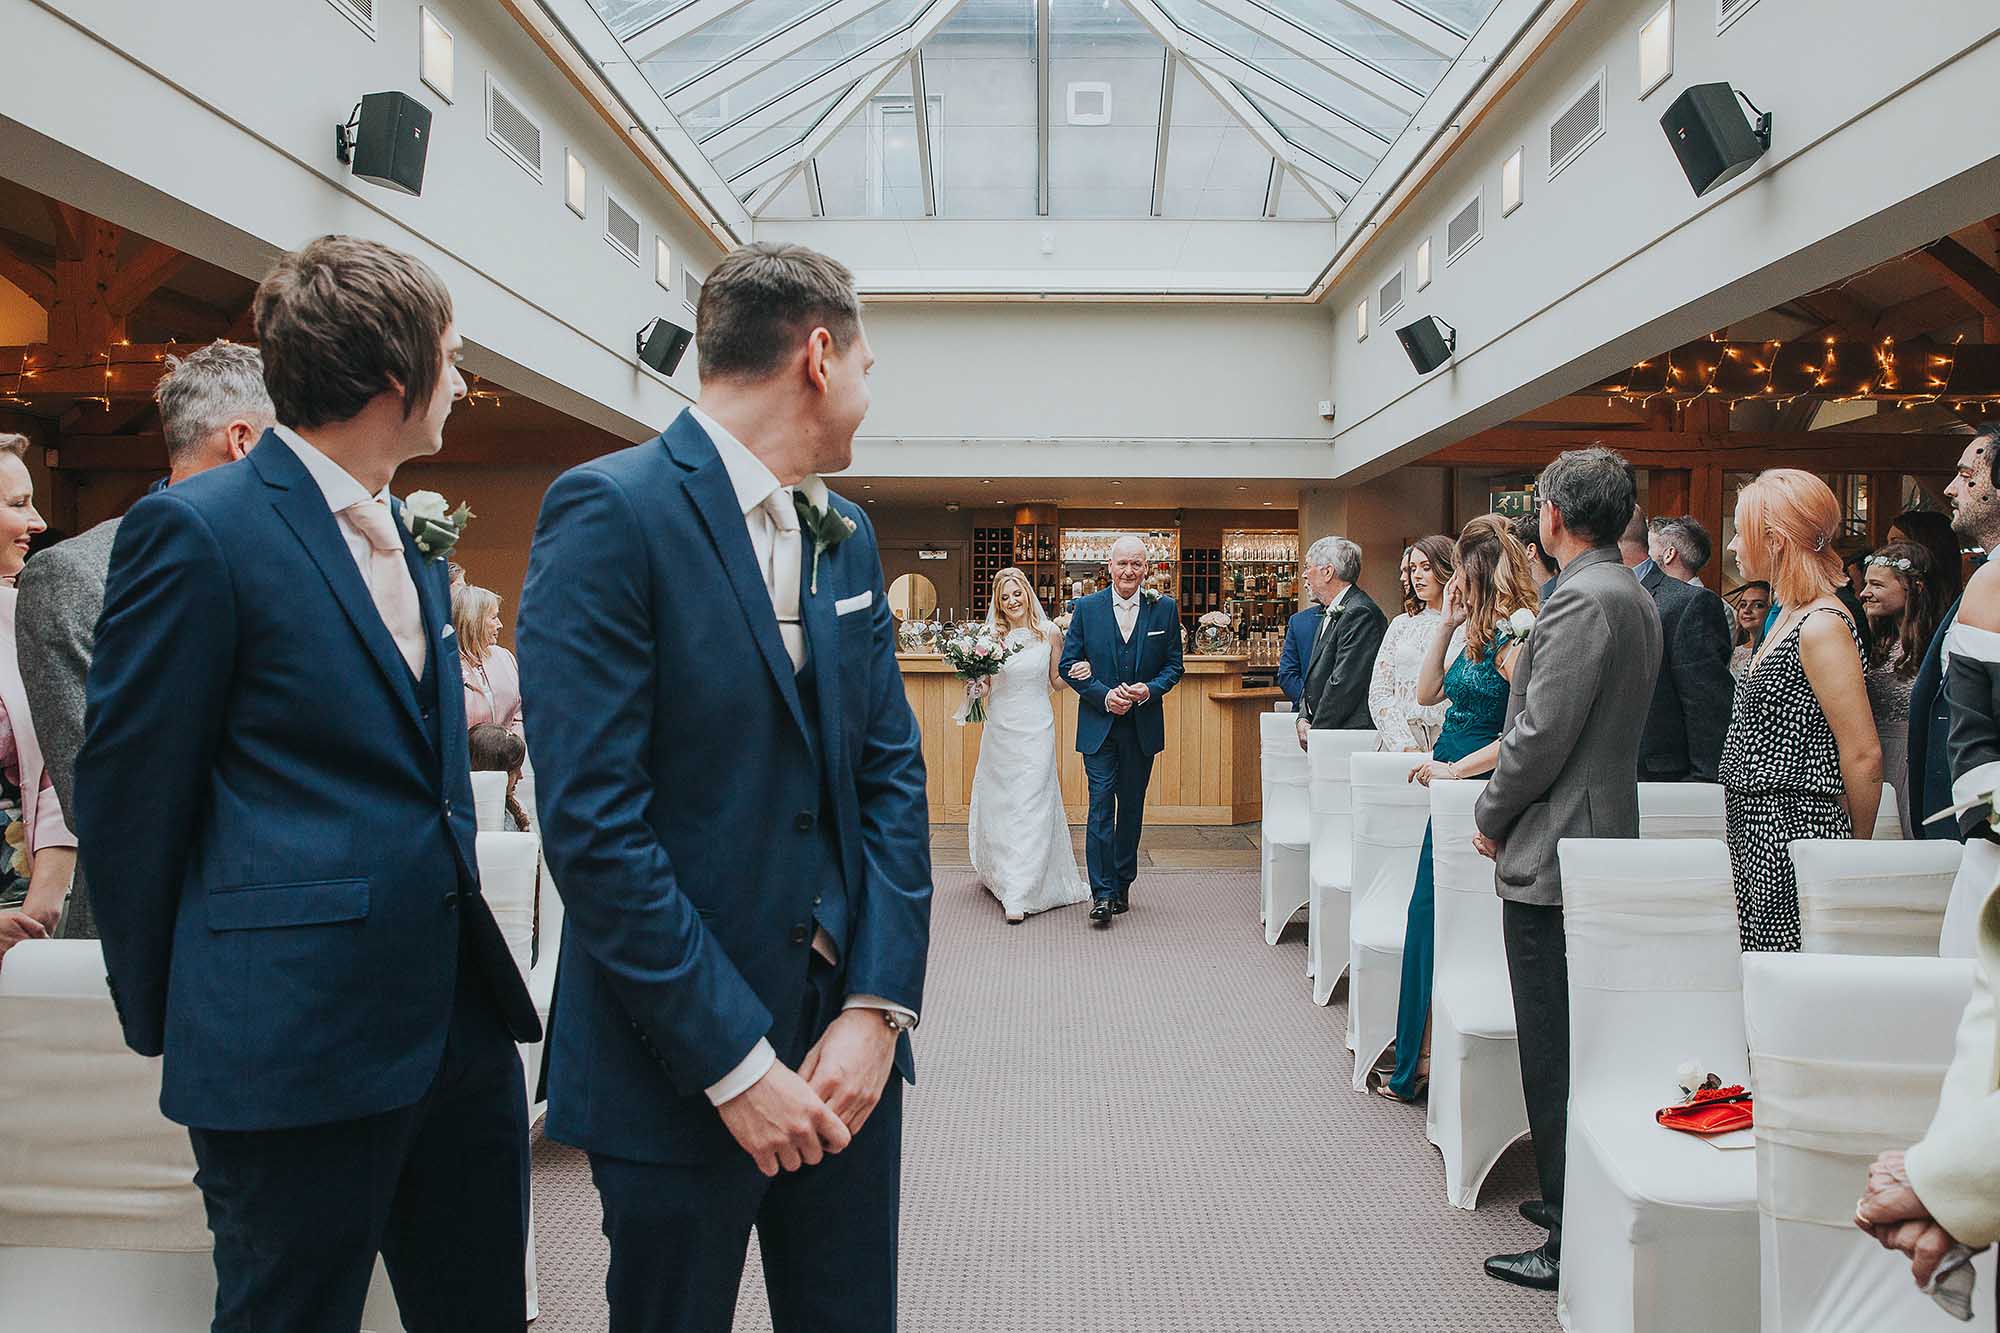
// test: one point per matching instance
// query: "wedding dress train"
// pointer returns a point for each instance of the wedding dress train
(1017, 830)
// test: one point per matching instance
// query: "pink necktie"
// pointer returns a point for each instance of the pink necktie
(389, 580)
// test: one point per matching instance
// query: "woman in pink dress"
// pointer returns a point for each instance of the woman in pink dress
(38, 856)
(492, 679)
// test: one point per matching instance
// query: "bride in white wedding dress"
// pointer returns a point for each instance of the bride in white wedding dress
(1017, 830)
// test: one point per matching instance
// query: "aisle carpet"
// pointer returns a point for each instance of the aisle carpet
(1146, 1130)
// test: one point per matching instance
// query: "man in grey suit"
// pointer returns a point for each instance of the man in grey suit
(213, 408)
(1342, 661)
(1567, 769)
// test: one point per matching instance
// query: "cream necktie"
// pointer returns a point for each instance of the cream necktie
(1128, 618)
(781, 573)
(389, 580)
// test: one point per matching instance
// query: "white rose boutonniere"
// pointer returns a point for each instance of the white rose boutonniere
(1150, 594)
(1519, 626)
(818, 517)
(435, 530)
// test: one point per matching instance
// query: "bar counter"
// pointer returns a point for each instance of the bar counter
(1207, 775)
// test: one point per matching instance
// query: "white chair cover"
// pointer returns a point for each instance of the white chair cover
(101, 1227)
(1659, 1227)
(1888, 821)
(1476, 1108)
(1330, 900)
(1680, 810)
(489, 801)
(1286, 839)
(1390, 812)
(508, 864)
(524, 794)
(1884, 897)
(1847, 1054)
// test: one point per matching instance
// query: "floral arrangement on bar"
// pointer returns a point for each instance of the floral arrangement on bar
(1214, 632)
(976, 652)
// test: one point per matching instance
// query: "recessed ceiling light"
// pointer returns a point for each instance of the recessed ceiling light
(1117, 483)
(986, 481)
(1118, 502)
(1242, 488)
(1267, 504)
(869, 486)
(871, 501)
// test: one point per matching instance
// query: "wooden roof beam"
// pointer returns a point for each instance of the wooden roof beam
(1965, 273)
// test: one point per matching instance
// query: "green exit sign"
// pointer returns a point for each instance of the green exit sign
(1512, 504)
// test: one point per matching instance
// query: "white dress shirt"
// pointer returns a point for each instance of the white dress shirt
(342, 492)
(1127, 611)
(754, 484)
(1332, 606)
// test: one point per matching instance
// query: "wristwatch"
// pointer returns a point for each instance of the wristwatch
(897, 1022)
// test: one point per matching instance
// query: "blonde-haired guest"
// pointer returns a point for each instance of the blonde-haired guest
(1802, 758)
(492, 679)
(38, 858)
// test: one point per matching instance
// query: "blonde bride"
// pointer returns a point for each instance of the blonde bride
(1017, 830)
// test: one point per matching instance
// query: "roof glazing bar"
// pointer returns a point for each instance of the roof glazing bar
(921, 109)
(645, 42)
(1043, 92)
(746, 62)
(1348, 66)
(1160, 141)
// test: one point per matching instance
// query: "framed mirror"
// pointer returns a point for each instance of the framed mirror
(913, 597)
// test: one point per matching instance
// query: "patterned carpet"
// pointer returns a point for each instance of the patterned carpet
(1145, 1131)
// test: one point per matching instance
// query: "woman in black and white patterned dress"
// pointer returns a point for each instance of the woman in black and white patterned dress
(1802, 759)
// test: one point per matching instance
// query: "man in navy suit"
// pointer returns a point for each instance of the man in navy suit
(1121, 655)
(732, 799)
(277, 818)
(1301, 633)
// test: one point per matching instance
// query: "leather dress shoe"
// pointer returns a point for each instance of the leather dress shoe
(1536, 1268)
(1100, 914)
(1121, 904)
(1537, 1211)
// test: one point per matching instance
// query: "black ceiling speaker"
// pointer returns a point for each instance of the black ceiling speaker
(1430, 342)
(386, 139)
(662, 344)
(1713, 139)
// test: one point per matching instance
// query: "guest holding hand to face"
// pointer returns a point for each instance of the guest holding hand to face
(492, 678)
(39, 855)
(1802, 759)
(1900, 596)
(1403, 722)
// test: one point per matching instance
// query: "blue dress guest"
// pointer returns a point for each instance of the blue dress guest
(1493, 582)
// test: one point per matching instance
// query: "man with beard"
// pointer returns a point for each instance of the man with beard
(1975, 518)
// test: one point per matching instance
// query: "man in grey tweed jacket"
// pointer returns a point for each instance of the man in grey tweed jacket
(213, 408)
(1568, 765)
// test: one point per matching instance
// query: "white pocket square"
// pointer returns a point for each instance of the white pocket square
(1151, 633)
(447, 632)
(861, 601)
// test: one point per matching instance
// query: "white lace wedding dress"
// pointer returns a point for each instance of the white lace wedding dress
(1017, 830)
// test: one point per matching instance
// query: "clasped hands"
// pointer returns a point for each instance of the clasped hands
(1891, 1212)
(791, 1119)
(1122, 699)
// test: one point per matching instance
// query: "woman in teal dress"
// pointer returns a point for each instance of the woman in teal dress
(1493, 582)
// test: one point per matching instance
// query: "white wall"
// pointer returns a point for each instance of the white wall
(1883, 140)
(1082, 390)
(211, 128)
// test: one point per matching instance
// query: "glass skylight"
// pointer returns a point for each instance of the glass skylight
(1273, 108)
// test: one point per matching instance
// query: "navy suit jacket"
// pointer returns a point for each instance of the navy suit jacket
(1929, 774)
(1093, 637)
(682, 800)
(1293, 659)
(276, 822)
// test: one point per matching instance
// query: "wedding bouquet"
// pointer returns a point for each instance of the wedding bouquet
(976, 652)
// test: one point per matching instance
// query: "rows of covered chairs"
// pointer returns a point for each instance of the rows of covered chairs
(1663, 1229)
(101, 1227)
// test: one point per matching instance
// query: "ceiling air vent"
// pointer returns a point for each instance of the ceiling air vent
(1578, 127)
(512, 130)
(621, 228)
(1462, 231)
(1391, 295)
(361, 13)
(1728, 11)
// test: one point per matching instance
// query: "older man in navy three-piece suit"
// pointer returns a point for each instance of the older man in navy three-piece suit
(274, 803)
(1121, 655)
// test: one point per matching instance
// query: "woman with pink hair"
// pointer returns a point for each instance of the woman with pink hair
(1802, 759)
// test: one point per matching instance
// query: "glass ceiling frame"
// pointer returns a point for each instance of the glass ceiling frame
(1292, 106)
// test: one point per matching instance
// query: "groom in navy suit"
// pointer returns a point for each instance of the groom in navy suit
(732, 797)
(275, 808)
(1121, 655)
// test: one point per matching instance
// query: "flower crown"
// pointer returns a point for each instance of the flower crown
(1901, 563)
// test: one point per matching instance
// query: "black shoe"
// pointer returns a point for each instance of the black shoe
(1121, 904)
(1100, 914)
(1534, 1269)
(1537, 1211)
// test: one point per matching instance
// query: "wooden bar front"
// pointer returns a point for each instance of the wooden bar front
(1207, 775)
